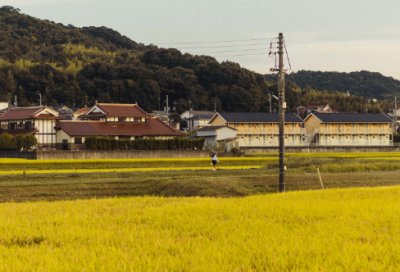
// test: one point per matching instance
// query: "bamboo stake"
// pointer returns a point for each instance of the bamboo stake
(320, 179)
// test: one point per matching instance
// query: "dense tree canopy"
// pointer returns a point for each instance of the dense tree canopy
(364, 83)
(77, 66)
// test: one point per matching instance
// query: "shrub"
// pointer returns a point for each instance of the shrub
(28, 142)
(7, 142)
(110, 143)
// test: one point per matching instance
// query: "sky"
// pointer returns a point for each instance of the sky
(320, 35)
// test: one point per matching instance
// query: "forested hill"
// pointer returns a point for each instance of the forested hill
(364, 83)
(70, 65)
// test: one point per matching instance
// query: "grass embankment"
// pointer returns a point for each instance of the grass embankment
(333, 230)
(22, 164)
(54, 180)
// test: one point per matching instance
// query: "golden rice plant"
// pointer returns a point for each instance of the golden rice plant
(331, 230)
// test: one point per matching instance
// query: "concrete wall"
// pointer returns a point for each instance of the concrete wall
(332, 149)
(18, 155)
(119, 154)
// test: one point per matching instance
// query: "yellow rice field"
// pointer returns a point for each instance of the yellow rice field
(116, 170)
(332, 230)
(100, 162)
(332, 155)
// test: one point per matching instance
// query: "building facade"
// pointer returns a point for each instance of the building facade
(261, 129)
(348, 129)
(121, 121)
(39, 121)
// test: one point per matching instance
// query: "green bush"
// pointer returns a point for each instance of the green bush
(110, 143)
(19, 142)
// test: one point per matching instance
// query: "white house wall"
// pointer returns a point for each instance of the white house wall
(46, 134)
(225, 133)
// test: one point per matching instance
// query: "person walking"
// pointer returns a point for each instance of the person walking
(214, 160)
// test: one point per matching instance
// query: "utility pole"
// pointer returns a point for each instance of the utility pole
(40, 99)
(15, 101)
(282, 107)
(395, 114)
(159, 104)
(189, 115)
(270, 103)
(215, 106)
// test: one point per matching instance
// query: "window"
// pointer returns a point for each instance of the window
(21, 124)
(28, 125)
(121, 119)
(78, 140)
(11, 126)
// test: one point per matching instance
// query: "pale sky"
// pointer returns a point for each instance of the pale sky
(324, 35)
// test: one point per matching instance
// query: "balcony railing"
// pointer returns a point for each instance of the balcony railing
(269, 143)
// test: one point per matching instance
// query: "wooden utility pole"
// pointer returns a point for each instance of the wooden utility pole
(395, 114)
(282, 107)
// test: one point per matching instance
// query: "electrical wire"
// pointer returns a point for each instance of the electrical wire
(223, 46)
(217, 42)
(228, 51)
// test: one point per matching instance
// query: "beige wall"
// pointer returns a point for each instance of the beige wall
(312, 124)
(218, 121)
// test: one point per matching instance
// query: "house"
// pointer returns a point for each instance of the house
(351, 129)
(214, 134)
(39, 121)
(77, 113)
(261, 129)
(196, 119)
(301, 111)
(318, 107)
(121, 121)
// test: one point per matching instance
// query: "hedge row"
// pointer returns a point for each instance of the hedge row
(19, 142)
(109, 143)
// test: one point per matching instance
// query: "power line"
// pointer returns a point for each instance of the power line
(255, 49)
(222, 46)
(241, 55)
(216, 42)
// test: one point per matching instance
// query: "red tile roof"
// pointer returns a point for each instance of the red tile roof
(82, 111)
(134, 129)
(19, 113)
(152, 127)
(27, 113)
(122, 110)
(161, 127)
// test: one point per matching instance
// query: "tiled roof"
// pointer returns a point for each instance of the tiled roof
(352, 117)
(213, 128)
(134, 129)
(258, 117)
(198, 117)
(122, 110)
(104, 128)
(82, 111)
(161, 127)
(20, 113)
(193, 112)
(91, 115)
(152, 127)
(78, 128)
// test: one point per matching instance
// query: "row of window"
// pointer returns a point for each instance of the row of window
(20, 125)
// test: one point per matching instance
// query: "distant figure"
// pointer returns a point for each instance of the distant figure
(214, 160)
